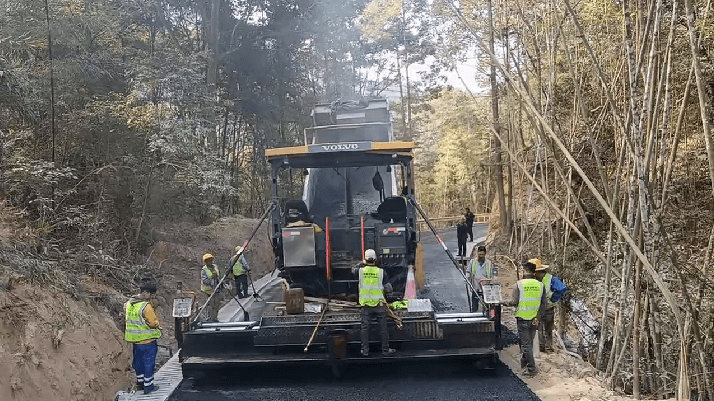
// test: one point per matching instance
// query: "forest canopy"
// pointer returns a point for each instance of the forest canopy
(589, 138)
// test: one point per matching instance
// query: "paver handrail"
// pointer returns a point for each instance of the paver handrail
(445, 221)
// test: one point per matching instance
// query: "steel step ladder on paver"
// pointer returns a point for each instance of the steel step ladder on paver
(168, 378)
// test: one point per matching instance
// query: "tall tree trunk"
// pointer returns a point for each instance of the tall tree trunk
(636, 334)
(52, 84)
(213, 38)
(496, 142)
(401, 99)
(704, 102)
(608, 264)
(406, 74)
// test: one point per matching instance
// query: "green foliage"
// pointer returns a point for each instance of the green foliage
(379, 18)
(138, 130)
(453, 144)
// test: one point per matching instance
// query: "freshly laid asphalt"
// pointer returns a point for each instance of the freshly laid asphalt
(425, 380)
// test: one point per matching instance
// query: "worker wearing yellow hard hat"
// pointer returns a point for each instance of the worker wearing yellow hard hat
(547, 321)
(210, 277)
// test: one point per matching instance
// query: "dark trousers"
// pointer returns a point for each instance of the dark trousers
(462, 246)
(477, 304)
(526, 333)
(471, 232)
(144, 362)
(242, 286)
(367, 313)
(545, 329)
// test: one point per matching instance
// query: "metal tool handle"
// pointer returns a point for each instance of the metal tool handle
(314, 332)
(238, 254)
(446, 249)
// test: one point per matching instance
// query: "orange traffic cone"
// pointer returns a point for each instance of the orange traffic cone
(410, 292)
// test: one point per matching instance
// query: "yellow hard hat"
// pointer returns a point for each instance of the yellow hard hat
(207, 256)
(238, 248)
(538, 264)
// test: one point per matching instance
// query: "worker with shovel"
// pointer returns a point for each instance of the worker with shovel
(240, 272)
(210, 277)
(372, 284)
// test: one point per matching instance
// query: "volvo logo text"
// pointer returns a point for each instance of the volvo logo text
(340, 146)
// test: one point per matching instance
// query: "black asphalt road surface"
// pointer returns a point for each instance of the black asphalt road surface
(428, 380)
(445, 286)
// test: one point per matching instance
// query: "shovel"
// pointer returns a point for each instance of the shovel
(246, 316)
(255, 293)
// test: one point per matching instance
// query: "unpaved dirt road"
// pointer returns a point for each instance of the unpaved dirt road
(400, 381)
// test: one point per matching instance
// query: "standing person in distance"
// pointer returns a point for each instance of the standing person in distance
(470, 223)
(373, 282)
(480, 269)
(142, 329)
(210, 277)
(240, 272)
(529, 298)
(461, 235)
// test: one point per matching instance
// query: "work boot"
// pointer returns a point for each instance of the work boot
(389, 352)
(364, 353)
(139, 386)
(529, 372)
(154, 388)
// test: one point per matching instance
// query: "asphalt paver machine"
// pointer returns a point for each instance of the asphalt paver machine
(358, 194)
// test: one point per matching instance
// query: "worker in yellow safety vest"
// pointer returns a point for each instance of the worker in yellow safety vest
(481, 269)
(529, 298)
(373, 283)
(240, 272)
(142, 330)
(210, 277)
(547, 320)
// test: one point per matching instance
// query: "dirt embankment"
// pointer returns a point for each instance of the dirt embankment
(57, 348)
(60, 347)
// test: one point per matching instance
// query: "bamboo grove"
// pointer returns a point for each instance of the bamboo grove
(601, 113)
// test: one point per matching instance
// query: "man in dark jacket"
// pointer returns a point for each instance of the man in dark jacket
(470, 223)
(461, 235)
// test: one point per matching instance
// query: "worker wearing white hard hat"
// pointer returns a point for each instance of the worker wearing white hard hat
(240, 272)
(373, 282)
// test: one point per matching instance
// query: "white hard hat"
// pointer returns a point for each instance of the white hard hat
(370, 254)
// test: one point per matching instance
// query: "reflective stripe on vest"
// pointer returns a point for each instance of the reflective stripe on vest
(371, 291)
(486, 263)
(548, 291)
(238, 267)
(136, 327)
(208, 289)
(531, 291)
